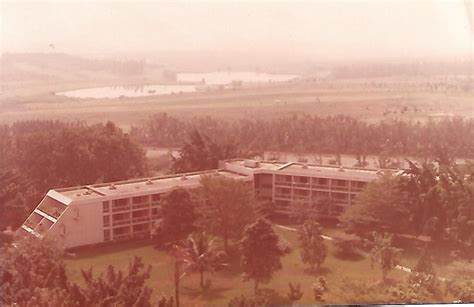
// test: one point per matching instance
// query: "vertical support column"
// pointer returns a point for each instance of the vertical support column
(273, 187)
(350, 192)
(130, 202)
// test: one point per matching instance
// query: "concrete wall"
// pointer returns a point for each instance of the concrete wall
(80, 224)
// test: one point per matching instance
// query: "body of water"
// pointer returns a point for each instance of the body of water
(212, 78)
(128, 91)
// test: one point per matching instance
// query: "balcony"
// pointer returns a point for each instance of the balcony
(283, 183)
(301, 197)
(124, 236)
(320, 186)
(141, 219)
(51, 208)
(283, 195)
(141, 233)
(118, 208)
(121, 222)
(305, 185)
(339, 188)
(141, 206)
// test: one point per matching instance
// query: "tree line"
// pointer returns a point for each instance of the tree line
(36, 156)
(435, 200)
(314, 134)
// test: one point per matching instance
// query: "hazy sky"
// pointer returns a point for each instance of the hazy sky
(334, 29)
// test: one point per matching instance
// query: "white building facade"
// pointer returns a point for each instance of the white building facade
(100, 213)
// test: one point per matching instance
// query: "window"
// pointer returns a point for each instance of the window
(105, 206)
(302, 179)
(322, 181)
(339, 182)
(120, 202)
(156, 197)
(106, 221)
(139, 199)
(154, 211)
(107, 235)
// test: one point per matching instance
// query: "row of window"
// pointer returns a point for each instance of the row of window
(319, 181)
(124, 202)
(119, 233)
(127, 217)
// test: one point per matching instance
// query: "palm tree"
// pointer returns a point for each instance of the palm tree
(203, 255)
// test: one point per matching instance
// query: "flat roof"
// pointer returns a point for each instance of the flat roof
(138, 186)
(331, 172)
(310, 170)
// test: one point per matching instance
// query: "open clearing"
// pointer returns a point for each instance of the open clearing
(366, 99)
(228, 283)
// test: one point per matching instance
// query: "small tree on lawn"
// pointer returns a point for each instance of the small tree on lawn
(424, 264)
(181, 269)
(423, 278)
(203, 255)
(384, 253)
(295, 293)
(313, 249)
(178, 216)
(319, 289)
(260, 252)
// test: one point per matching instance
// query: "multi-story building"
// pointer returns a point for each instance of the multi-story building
(123, 210)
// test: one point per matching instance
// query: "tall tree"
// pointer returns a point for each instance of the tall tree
(228, 206)
(373, 212)
(313, 248)
(178, 216)
(260, 252)
(181, 269)
(75, 154)
(201, 153)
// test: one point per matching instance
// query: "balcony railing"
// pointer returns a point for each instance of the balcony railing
(320, 186)
(121, 222)
(339, 188)
(301, 184)
(141, 219)
(31, 223)
(141, 206)
(283, 195)
(283, 183)
(117, 208)
(305, 197)
(124, 236)
(141, 233)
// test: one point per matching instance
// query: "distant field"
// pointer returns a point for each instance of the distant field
(371, 100)
(228, 283)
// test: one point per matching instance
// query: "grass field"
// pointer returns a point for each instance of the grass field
(228, 283)
(365, 99)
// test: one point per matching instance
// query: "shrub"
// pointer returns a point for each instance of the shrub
(295, 292)
(319, 289)
(284, 245)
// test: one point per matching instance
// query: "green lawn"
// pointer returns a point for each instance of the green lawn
(228, 283)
